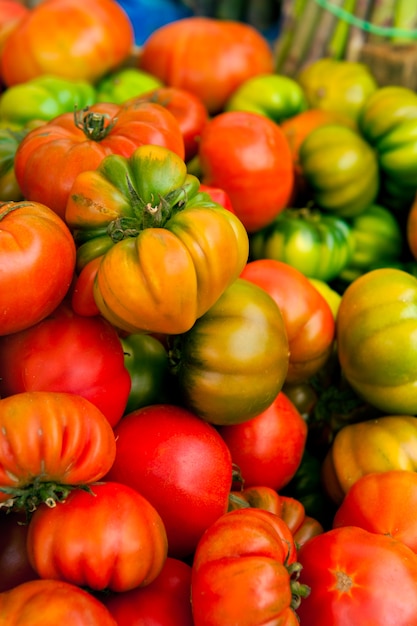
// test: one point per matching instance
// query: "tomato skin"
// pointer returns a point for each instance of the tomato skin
(67, 39)
(218, 195)
(307, 316)
(232, 363)
(355, 575)
(164, 602)
(268, 448)
(180, 464)
(68, 144)
(248, 156)
(35, 243)
(71, 353)
(108, 538)
(176, 54)
(51, 437)
(375, 339)
(51, 602)
(15, 568)
(125, 83)
(384, 503)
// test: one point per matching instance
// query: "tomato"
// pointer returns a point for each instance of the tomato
(388, 121)
(49, 443)
(338, 85)
(11, 13)
(319, 245)
(268, 448)
(180, 464)
(166, 266)
(340, 169)
(34, 243)
(218, 195)
(74, 142)
(308, 319)
(240, 573)
(108, 538)
(188, 109)
(377, 445)
(124, 83)
(384, 503)
(248, 156)
(52, 602)
(377, 351)
(81, 39)
(71, 353)
(276, 96)
(232, 363)
(330, 294)
(15, 568)
(176, 53)
(43, 98)
(358, 577)
(164, 602)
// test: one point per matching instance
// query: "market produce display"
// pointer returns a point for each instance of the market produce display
(208, 317)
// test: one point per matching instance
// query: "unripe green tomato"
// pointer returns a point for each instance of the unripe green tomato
(125, 84)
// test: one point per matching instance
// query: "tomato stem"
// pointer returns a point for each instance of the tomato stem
(29, 497)
(93, 124)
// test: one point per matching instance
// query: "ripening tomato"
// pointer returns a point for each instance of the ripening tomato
(268, 448)
(248, 156)
(207, 56)
(80, 39)
(37, 260)
(180, 464)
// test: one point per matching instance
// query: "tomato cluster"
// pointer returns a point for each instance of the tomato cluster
(208, 409)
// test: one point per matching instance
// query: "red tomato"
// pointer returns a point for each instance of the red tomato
(164, 602)
(37, 260)
(52, 602)
(75, 39)
(11, 13)
(110, 537)
(15, 567)
(73, 143)
(269, 447)
(207, 56)
(308, 318)
(248, 156)
(188, 109)
(382, 502)
(71, 353)
(358, 577)
(181, 464)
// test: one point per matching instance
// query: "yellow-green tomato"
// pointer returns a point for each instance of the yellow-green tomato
(124, 84)
(376, 332)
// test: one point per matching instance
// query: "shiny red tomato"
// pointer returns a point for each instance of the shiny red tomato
(164, 602)
(207, 56)
(181, 464)
(75, 39)
(248, 156)
(37, 260)
(71, 353)
(268, 448)
(308, 318)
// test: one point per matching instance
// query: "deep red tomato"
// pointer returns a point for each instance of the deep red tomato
(15, 567)
(248, 156)
(269, 447)
(49, 443)
(68, 352)
(73, 143)
(358, 577)
(108, 538)
(52, 602)
(80, 39)
(164, 602)
(181, 464)
(308, 318)
(384, 503)
(188, 109)
(207, 56)
(37, 260)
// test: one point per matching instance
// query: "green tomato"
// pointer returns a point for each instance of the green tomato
(317, 244)
(43, 98)
(272, 95)
(124, 84)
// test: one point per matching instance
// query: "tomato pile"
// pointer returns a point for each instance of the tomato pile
(208, 322)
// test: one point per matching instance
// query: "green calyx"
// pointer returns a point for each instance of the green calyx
(28, 498)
